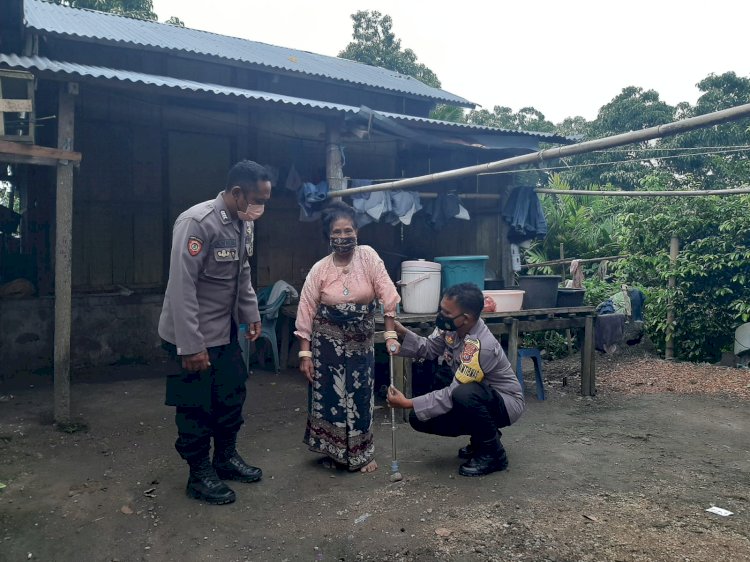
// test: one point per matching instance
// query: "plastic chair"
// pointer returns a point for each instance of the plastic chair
(269, 313)
(536, 356)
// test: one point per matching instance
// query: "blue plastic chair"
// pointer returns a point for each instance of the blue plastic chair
(269, 314)
(536, 356)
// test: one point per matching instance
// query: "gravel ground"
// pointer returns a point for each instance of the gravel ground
(638, 370)
(625, 476)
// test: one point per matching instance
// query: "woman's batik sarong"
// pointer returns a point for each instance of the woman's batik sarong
(341, 398)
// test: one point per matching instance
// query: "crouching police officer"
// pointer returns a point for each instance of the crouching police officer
(484, 394)
(209, 294)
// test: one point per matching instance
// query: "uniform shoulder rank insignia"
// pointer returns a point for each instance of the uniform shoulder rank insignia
(469, 370)
(224, 215)
(194, 246)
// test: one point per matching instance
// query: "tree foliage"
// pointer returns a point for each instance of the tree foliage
(715, 170)
(526, 119)
(632, 109)
(136, 9)
(376, 44)
(712, 294)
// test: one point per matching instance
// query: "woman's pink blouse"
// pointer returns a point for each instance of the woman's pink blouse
(366, 280)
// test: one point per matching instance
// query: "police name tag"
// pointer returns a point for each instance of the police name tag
(469, 370)
(226, 254)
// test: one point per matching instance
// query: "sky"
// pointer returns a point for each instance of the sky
(564, 58)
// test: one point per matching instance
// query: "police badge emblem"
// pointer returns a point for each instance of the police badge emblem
(194, 246)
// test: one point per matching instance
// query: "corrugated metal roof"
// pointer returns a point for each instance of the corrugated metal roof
(552, 137)
(44, 64)
(71, 68)
(97, 26)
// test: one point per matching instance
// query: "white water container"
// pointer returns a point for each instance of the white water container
(420, 286)
(742, 339)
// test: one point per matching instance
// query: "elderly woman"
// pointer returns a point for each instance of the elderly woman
(335, 326)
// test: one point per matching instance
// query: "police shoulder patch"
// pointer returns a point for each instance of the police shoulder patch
(194, 245)
(470, 370)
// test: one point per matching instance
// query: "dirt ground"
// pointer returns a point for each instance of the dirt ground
(624, 476)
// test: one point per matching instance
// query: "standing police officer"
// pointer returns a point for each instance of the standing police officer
(209, 294)
(484, 395)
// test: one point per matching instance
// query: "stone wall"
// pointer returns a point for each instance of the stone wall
(105, 329)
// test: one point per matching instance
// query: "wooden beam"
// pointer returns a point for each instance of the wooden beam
(334, 161)
(63, 256)
(15, 106)
(16, 153)
(588, 360)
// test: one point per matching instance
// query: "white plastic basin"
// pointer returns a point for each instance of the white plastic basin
(507, 300)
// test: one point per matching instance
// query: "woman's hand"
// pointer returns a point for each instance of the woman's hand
(253, 331)
(306, 368)
(392, 346)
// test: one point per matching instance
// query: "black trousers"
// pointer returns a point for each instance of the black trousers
(209, 403)
(477, 410)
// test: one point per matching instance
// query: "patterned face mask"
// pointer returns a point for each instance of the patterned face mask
(343, 245)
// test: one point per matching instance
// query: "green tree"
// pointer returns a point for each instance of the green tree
(376, 44)
(573, 127)
(527, 119)
(174, 20)
(584, 225)
(715, 170)
(712, 294)
(632, 109)
(137, 9)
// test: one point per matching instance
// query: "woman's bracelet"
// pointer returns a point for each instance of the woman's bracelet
(303, 354)
(390, 335)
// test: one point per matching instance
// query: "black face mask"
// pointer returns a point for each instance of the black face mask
(343, 245)
(446, 322)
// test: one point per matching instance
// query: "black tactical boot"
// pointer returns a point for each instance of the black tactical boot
(205, 485)
(489, 457)
(230, 466)
(466, 452)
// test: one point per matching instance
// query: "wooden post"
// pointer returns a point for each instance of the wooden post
(513, 343)
(334, 161)
(63, 254)
(588, 367)
(674, 249)
(562, 260)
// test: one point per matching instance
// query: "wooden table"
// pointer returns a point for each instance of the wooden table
(511, 324)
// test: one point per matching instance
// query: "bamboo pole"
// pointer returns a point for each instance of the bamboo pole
(558, 262)
(677, 193)
(537, 158)
(674, 249)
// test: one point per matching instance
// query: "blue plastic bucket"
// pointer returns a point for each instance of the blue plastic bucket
(462, 269)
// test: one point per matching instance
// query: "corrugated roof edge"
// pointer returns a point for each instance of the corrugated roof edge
(44, 64)
(439, 96)
(551, 137)
(47, 65)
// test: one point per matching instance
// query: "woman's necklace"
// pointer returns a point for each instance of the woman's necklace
(343, 272)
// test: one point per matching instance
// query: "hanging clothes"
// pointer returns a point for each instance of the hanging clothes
(311, 199)
(393, 207)
(447, 206)
(524, 215)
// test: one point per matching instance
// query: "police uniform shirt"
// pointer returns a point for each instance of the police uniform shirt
(209, 279)
(476, 357)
